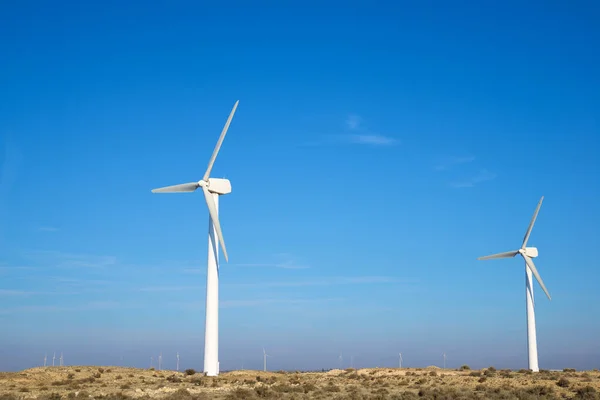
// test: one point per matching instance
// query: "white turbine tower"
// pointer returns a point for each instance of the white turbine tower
(528, 253)
(444, 360)
(400, 360)
(177, 361)
(212, 189)
(61, 359)
(45, 358)
(53, 358)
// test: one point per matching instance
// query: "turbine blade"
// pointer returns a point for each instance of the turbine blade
(507, 254)
(537, 210)
(184, 187)
(534, 270)
(212, 209)
(219, 142)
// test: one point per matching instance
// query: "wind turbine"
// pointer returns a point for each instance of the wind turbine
(528, 253)
(45, 358)
(212, 189)
(399, 360)
(61, 359)
(177, 361)
(160, 360)
(444, 360)
(53, 358)
(341, 360)
(265, 355)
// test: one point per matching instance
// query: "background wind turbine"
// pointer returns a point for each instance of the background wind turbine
(444, 360)
(265, 355)
(177, 361)
(53, 358)
(528, 253)
(400, 360)
(212, 189)
(159, 361)
(341, 361)
(45, 358)
(61, 359)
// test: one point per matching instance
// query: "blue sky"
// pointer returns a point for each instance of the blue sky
(378, 149)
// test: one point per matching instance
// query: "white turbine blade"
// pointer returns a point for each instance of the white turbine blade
(537, 210)
(219, 142)
(507, 254)
(184, 187)
(212, 209)
(534, 270)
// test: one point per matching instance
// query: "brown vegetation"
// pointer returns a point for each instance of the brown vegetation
(115, 383)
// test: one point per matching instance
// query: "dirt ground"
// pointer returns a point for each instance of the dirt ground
(55, 383)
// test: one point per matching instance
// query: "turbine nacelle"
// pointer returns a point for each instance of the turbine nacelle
(217, 185)
(531, 252)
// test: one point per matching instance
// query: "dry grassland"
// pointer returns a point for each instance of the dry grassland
(55, 383)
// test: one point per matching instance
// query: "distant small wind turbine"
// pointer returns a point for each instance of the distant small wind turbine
(528, 254)
(61, 359)
(265, 355)
(45, 358)
(53, 358)
(341, 360)
(177, 361)
(400, 360)
(444, 360)
(159, 361)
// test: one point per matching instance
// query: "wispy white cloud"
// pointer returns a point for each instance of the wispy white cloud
(374, 140)
(199, 271)
(358, 135)
(363, 136)
(166, 288)
(96, 305)
(353, 121)
(25, 293)
(483, 176)
(280, 260)
(47, 229)
(10, 292)
(327, 281)
(4, 268)
(80, 282)
(452, 161)
(255, 302)
(277, 265)
(63, 259)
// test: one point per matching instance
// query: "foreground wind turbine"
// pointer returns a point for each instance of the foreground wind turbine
(528, 253)
(212, 189)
